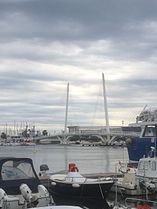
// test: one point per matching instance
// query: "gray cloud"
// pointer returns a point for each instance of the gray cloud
(45, 44)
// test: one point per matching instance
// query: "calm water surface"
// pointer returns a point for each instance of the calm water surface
(57, 157)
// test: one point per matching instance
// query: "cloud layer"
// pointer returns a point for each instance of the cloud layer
(46, 44)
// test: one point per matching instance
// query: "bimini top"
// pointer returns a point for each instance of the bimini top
(14, 172)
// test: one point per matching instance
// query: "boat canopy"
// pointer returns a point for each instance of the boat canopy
(17, 171)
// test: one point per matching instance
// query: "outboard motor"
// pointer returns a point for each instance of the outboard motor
(43, 169)
(31, 199)
(43, 191)
(40, 199)
(26, 193)
(44, 197)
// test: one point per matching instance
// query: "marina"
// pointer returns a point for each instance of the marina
(88, 159)
(78, 109)
(98, 153)
(91, 161)
(85, 168)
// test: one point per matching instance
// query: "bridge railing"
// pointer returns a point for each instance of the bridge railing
(104, 132)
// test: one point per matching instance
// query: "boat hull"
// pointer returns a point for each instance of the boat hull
(139, 147)
(83, 191)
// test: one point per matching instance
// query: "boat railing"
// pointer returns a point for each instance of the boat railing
(134, 202)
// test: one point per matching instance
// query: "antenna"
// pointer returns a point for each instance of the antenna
(144, 108)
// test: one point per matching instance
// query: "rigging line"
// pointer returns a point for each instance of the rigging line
(101, 192)
(96, 105)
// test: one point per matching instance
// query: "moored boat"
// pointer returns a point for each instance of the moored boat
(130, 183)
(20, 187)
(147, 170)
(140, 146)
(74, 185)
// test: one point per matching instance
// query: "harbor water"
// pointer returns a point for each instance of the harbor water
(57, 157)
(88, 159)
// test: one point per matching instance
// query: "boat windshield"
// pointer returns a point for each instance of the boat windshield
(13, 170)
(154, 166)
(150, 130)
(143, 165)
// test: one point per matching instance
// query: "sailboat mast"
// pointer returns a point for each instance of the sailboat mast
(66, 111)
(105, 107)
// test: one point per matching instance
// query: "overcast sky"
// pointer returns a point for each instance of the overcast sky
(44, 44)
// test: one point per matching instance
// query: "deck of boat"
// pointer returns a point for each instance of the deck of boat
(45, 179)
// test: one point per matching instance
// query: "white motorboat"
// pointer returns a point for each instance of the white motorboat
(147, 170)
(131, 184)
(20, 187)
(128, 184)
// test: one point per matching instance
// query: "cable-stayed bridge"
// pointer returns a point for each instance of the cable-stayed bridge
(89, 132)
